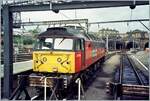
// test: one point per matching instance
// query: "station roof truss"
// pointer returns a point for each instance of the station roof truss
(75, 21)
(119, 21)
(58, 22)
(36, 5)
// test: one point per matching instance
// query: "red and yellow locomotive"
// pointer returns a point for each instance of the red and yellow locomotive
(66, 50)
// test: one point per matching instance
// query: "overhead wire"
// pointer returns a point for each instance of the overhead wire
(75, 17)
(131, 30)
(65, 16)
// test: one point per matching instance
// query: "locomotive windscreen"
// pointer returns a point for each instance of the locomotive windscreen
(63, 44)
(54, 44)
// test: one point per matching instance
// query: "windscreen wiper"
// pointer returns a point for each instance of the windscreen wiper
(62, 40)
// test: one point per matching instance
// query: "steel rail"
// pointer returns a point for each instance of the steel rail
(140, 81)
(120, 81)
(121, 70)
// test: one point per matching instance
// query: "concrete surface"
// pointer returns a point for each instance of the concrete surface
(97, 91)
(143, 57)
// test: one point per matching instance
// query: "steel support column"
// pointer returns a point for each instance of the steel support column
(8, 52)
(149, 38)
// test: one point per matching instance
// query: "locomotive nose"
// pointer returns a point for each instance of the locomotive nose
(60, 62)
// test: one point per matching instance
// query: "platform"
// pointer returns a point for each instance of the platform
(143, 56)
(18, 67)
(140, 59)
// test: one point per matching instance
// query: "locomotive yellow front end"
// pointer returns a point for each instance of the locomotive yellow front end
(54, 55)
(53, 61)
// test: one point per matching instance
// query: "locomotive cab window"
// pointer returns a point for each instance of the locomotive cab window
(79, 44)
(54, 43)
(45, 43)
(63, 44)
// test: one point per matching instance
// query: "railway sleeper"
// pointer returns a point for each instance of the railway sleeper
(127, 89)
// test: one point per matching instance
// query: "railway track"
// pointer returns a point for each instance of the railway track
(131, 74)
(129, 81)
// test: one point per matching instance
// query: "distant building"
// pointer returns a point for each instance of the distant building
(140, 37)
(110, 32)
(114, 38)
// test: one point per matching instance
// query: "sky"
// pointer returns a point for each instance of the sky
(95, 15)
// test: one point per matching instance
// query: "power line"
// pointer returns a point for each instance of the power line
(65, 15)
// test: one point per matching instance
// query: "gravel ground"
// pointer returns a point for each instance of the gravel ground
(97, 91)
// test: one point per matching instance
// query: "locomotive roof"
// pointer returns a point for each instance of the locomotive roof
(62, 32)
(55, 31)
(68, 31)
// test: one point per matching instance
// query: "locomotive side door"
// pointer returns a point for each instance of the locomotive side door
(80, 44)
(83, 52)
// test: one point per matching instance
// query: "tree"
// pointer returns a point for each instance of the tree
(35, 31)
(28, 40)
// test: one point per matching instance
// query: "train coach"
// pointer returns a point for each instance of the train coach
(66, 50)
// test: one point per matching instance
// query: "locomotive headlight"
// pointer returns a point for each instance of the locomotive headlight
(59, 59)
(55, 69)
(44, 59)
